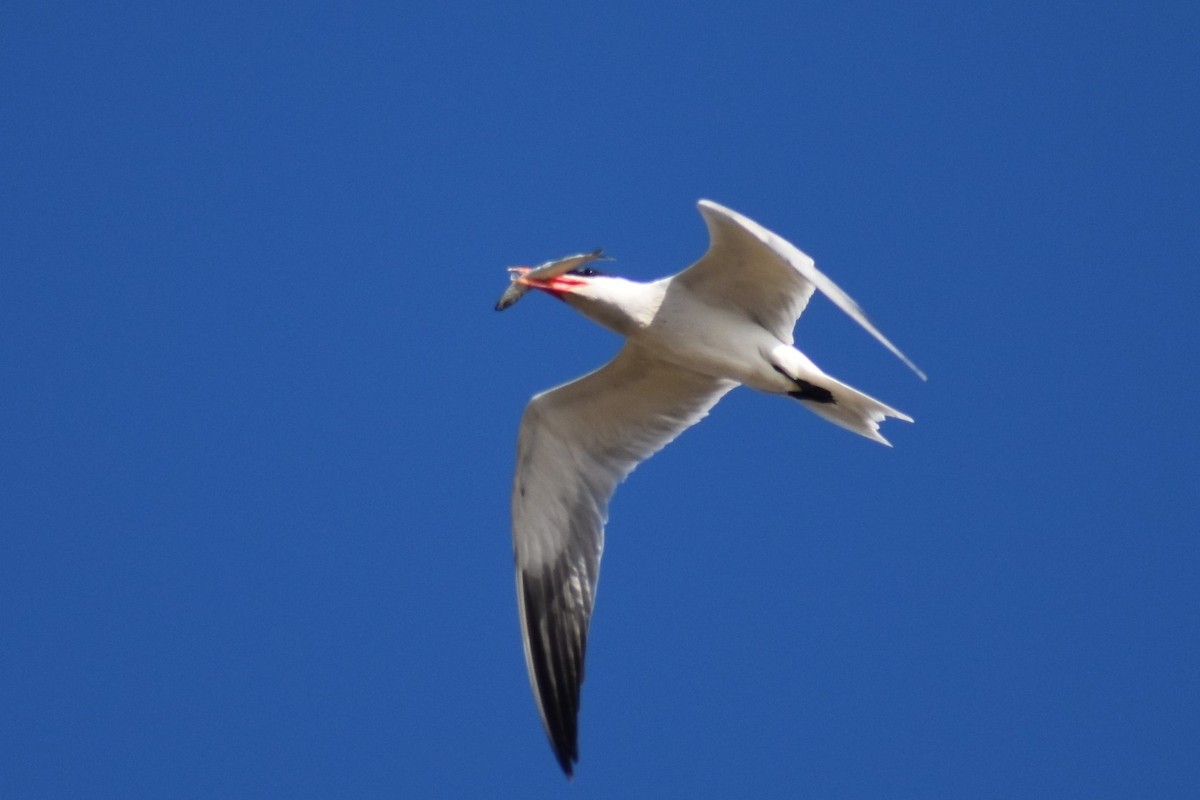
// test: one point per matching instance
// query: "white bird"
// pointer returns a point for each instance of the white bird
(689, 339)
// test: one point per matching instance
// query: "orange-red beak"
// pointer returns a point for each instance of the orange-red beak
(557, 286)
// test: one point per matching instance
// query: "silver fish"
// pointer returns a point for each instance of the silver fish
(551, 269)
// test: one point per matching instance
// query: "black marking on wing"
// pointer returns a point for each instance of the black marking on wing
(557, 643)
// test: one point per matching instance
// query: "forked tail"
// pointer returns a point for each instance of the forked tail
(842, 405)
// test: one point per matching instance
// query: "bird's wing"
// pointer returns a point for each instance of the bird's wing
(577, 442)
(765, 277)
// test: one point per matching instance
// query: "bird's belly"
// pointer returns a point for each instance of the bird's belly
(723, 346)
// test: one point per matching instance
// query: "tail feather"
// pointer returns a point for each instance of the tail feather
(828, 397)
(853, 410)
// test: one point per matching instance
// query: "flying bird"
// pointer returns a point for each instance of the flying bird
(689, 339)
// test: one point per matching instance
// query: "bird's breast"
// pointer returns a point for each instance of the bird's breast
(713, 342)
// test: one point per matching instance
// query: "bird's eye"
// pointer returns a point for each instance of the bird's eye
(586, 272)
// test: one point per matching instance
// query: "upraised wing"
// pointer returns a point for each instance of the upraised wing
(765, 277)
(576, 443)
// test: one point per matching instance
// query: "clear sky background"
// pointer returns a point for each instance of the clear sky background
(257, 415)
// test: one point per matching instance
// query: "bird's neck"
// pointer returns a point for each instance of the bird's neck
(622, 306)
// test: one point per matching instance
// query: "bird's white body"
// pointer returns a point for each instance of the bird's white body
(690, 338)
(671, 322)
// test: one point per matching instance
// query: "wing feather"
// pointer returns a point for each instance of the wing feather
(576, 443)
(765, 277)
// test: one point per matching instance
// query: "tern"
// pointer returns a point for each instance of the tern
(689, 339)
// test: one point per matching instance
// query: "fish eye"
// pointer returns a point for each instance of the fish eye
(585, 272)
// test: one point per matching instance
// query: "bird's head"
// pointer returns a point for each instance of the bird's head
(575, 281)
(616, 303)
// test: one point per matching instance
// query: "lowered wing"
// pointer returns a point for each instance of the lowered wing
(576, 443)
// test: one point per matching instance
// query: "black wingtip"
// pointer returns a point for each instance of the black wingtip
(556, 654)
(566, 750)
(565, 762)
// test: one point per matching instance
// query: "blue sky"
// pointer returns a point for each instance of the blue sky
(257, 416)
